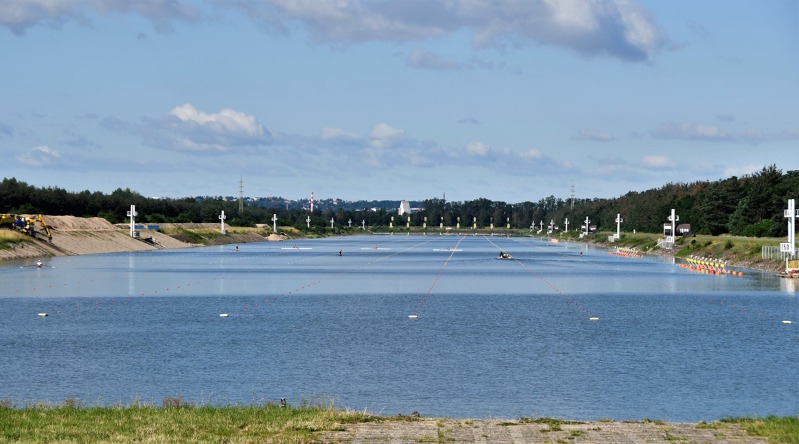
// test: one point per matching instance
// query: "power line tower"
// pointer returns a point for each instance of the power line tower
(241, 195)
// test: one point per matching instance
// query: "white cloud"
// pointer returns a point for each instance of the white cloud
(39, 156)
(710, 133)
(619, 28)
(427, 60)
(337, 134)
(477, 149)
(658, 161)
(192, 129)
(19, 15)
(532, 154)
(384, 135)
(186, 128)
(593, 136)
(225, 121)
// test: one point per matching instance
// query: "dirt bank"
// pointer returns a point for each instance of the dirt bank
(77, 236)
(520, 431)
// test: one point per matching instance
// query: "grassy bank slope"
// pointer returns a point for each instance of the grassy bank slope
(742, 252)
(180, 423)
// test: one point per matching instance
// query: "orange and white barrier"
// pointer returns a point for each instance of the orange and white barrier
(708, 266)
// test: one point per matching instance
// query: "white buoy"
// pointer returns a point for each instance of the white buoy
(412, 316)
(223, 315)
(787, 322)
(41, 315)
(593, 318)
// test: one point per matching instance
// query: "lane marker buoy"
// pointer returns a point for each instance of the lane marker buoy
(41, 315)
(223, 315)
(412, 316)
(593, 318)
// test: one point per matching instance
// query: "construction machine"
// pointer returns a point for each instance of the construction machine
(28, 226)
(7, 220)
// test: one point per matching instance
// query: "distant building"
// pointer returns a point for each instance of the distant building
(404, 207)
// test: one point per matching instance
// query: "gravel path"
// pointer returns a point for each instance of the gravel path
(491, 431)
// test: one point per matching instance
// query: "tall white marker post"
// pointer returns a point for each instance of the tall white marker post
(308, 221)
(586, 225)
(349, 222)
(567, 224)
(331, 222)
(132, 214)
(274, 223)
(619, 220)
(790, 247)
(363, 224)
(673, 219)
(222, 218)
(507, 220)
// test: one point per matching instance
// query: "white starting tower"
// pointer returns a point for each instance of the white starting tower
(791, 214)
(132, 215)
(673, 219)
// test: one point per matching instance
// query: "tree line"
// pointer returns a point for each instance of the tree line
(751, 205)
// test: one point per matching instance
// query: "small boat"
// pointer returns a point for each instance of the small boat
(39, 264)
(503, 255)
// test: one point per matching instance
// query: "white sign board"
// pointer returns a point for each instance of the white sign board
(785, 247)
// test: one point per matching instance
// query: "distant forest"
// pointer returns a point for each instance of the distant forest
(752, 205)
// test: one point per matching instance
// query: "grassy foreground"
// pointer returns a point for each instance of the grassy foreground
(775, 429)
(177, 422)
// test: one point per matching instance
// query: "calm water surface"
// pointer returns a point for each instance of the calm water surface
(491, 338)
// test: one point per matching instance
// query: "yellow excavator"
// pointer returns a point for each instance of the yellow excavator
(30, 226)
(24, 224)
(7, 220)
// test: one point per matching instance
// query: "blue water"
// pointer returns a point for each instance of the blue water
(491, 338)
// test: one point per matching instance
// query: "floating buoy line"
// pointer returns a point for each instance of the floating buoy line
(626, 252)
(82, 307)
(557, 290)
(721, 268)
(435, 281)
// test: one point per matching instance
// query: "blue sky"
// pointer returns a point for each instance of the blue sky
(396, 99)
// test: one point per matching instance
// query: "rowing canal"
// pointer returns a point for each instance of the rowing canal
(396, 324)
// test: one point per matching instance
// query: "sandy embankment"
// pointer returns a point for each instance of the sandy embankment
(77, 236)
